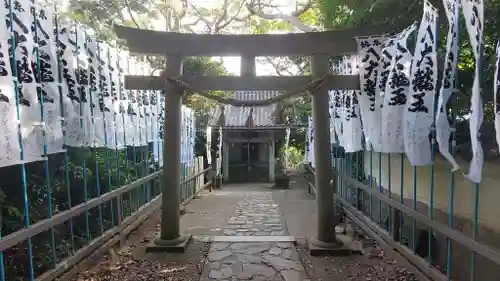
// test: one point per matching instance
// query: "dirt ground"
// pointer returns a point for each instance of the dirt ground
(131, 263)
(378, 266)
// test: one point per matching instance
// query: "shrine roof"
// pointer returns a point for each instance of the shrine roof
(236, 116)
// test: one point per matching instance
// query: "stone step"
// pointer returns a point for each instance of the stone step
(291, 239)
(259, 261)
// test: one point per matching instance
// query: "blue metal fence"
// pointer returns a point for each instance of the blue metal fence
(391, 208)
(60, 204)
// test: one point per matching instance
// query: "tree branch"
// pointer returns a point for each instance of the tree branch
(130, 13)
(219, 26)
(207, 23)
(280, 69)
(224, 14)
(256, 9)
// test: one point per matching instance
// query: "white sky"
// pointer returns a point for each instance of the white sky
(232, 64)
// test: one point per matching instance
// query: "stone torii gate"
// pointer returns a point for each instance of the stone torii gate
(318, 45)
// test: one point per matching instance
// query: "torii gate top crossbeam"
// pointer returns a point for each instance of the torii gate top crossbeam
(333, 43)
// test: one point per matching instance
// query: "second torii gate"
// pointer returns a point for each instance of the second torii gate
(318, 45)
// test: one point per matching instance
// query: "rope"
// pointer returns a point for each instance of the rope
(311, 86)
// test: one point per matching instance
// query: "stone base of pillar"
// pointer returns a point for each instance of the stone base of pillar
(178, 245)
(217, 182)
(343, 246)
(281, 181)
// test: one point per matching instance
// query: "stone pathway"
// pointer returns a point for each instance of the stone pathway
(260, 260)
(256, 215)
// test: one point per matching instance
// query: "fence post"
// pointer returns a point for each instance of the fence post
(199, 180)
(396, 224)
(119, 219)
(194, 182)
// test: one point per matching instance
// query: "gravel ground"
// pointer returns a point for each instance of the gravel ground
(375, 265)
(132, 263)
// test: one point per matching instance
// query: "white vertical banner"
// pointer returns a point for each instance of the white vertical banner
(71, 100)
(191, 121)
(154, 115)
(395, 93)
(306, 156)
(310, 141)
(341, 96)
(188, 137)
(83, 84)
(193, 137)
(10, 151)
(183, 134)
(148, 110)
(190, 151)
(161, 122)
(388, 52)
(129, 125)
(140, 128)
(443, 129)
(496, 95)
(120, 105)
(192, 134)
(49, 70)
(29, 107)
(419, 110)
(209, 143)
(142, 107)
(127, 104)
(219, 158)
(92, 86)
(337, 117)
(96, 121)
(148, 113)
(369, 51)
(473, 11)
(114, 57)
(331, 111)
(186, 134)
(133, 109)
(353, 134)
(105, 87)
(111, 102)
(158, 143)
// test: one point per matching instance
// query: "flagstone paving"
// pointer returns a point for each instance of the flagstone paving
(256, 215)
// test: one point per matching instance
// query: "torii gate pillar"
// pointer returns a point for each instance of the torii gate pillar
(325, 241)
(170, 239)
